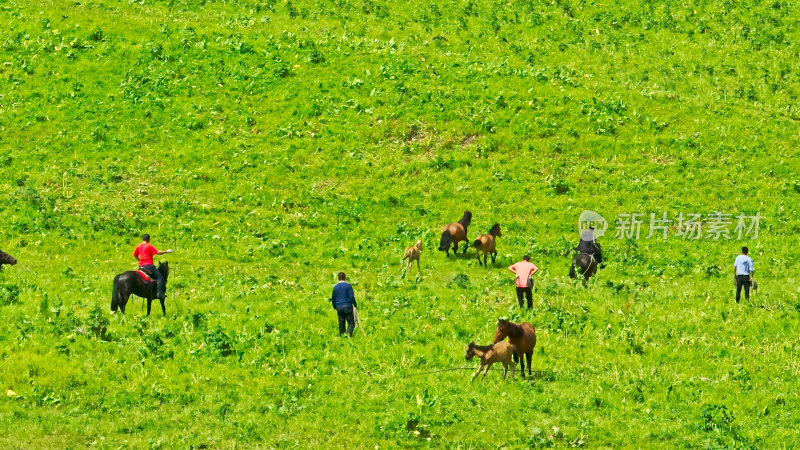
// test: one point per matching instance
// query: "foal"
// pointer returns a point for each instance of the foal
(412, 253)
(486, 243)
(490, 354)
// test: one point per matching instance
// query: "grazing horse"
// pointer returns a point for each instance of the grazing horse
(522, 336)
(486, 244)
(5, 258)
(454, 233)
(490, 354)
(131, 282)
(412, 253)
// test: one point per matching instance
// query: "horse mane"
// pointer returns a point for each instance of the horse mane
(467, 219)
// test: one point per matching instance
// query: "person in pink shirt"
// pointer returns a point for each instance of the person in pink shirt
(524, 270)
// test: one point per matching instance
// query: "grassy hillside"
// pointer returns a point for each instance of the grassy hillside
(275, 143)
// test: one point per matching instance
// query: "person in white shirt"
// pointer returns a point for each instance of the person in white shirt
(743, 271)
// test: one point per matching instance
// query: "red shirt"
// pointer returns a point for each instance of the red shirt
(145, 253)
(523, 270)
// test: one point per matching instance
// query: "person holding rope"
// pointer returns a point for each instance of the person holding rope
(524, 270)
(344, 301)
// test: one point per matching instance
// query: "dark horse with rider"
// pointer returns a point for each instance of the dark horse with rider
(588, 257)
(149, 281)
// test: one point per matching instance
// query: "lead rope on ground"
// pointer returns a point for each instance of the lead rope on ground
(463, 368)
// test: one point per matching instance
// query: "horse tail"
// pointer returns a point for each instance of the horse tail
(115, 295)
(447, 239)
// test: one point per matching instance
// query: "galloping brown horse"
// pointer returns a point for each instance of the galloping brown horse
(522, 336)
(454, 233)
(486, 243)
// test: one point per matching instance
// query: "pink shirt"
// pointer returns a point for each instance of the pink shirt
(523, 269)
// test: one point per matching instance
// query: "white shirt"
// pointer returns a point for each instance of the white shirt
(743, 264)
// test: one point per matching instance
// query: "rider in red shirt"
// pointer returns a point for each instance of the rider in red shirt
(144, 254)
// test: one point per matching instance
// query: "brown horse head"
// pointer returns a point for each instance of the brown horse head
(5, 258)
(502, 330)
(467, 219)
(470, 351)
(495, 231)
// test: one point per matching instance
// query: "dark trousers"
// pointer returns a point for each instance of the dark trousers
(346, 315)
(155, 275)
(528, 292)
(742, 280)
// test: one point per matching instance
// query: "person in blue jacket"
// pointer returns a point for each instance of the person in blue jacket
(344, 300)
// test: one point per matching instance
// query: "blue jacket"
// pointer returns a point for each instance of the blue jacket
(343, 296)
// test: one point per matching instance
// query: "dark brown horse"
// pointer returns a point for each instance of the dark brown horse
(5, 258)
(131, 282)
(487, 243)
(522, 336)
(454, 233)
(583, 264)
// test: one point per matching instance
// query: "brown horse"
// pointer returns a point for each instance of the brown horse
(522, 336)
(454, 233)
(5, 258)
(486, 244)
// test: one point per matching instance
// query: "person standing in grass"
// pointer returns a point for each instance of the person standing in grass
(144, 254)
(743, 271)
(524, 270)
(344, 300)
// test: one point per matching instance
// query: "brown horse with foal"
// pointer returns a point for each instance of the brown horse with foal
(522, 336)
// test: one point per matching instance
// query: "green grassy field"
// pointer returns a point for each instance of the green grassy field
(274, 143)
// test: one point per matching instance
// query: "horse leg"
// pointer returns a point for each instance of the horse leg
(488, 366)
(494, 256)
(465, 245)
(418, 268)
(163, 307)
(149, 303)
(477, 372)
(484, 261)
(528, 356)
(513, 366)
(455, 248)
(505, 369)
(123, 301)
